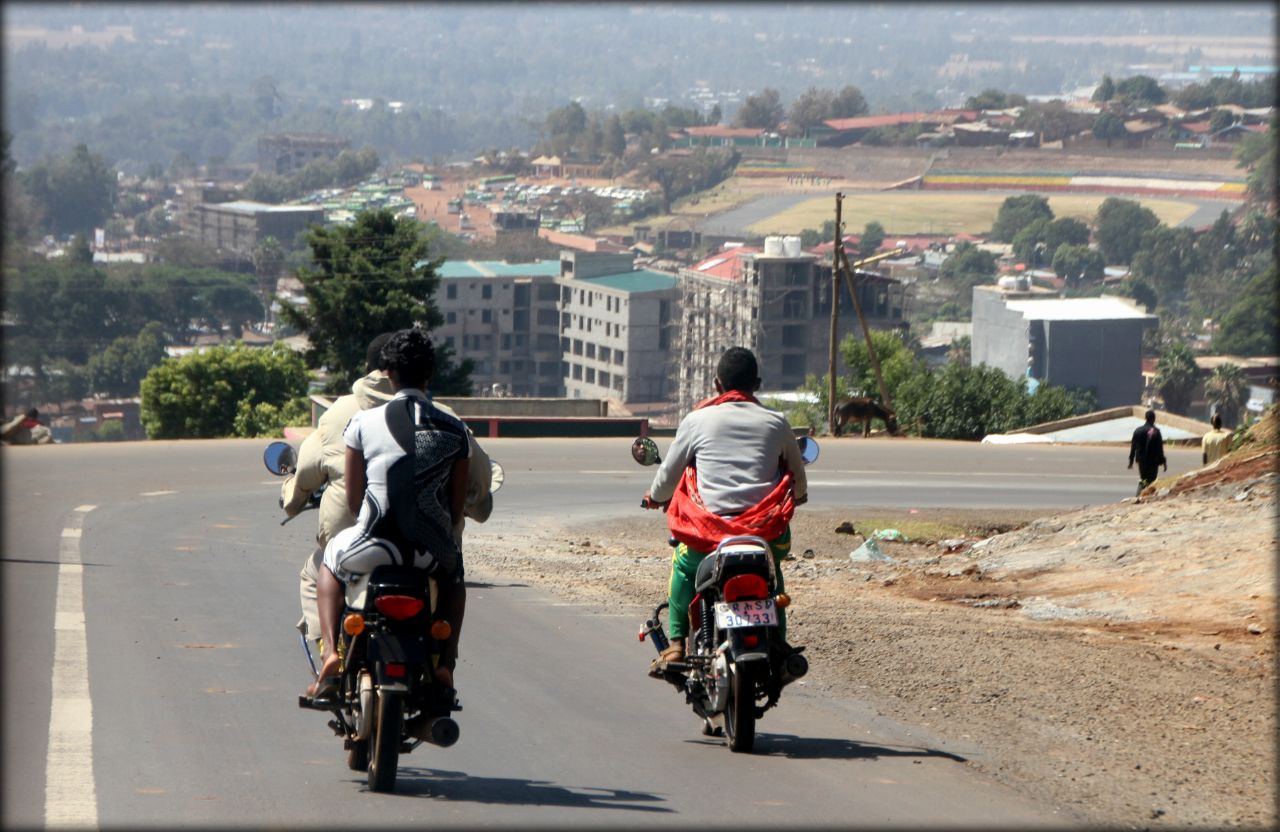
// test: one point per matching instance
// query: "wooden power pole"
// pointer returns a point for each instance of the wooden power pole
(835, 317)
(842, 259)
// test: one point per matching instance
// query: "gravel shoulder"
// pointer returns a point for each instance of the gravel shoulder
(1117, 661)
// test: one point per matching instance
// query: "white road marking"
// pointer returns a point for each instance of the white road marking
(70, 796)
(156, 493)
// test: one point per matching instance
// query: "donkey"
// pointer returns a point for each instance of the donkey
(862, 409)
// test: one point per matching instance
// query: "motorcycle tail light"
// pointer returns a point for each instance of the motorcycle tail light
(398, 607)
(441, 630)
(746, 586)
(353, 624)
(750, 641)
(395, 670)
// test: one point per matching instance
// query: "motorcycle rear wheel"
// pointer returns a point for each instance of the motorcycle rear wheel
(385, 745)
(740, 710)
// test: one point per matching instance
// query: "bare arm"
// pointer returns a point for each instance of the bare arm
(354, 477)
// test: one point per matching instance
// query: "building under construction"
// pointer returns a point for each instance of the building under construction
(775, 301)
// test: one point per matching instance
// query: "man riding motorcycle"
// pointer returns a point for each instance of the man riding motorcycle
(733, 468)
(320, 463)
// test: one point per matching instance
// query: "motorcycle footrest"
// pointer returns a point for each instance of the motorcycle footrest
(305, 701)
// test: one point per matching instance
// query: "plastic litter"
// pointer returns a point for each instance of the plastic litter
(869, 551)
(889, 534)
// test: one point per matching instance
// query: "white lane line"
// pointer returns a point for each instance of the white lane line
(70, 796)
(155, 493)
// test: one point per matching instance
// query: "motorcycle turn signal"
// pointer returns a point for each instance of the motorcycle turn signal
(783, 600)
(353, 624)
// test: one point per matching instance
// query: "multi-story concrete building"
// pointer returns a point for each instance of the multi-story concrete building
(239, 226)
(1090, 343)
(286, 153)
(589, 325)
(776, 302)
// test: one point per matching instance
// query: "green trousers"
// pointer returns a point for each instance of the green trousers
(684, 569)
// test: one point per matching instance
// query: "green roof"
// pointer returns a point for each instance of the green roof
(637, 281)
(496, 268)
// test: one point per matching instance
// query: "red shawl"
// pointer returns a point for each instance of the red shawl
(701, 530)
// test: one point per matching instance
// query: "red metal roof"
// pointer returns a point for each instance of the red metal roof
(725, 265)
(720, 131)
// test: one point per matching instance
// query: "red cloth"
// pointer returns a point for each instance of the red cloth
(701, 530)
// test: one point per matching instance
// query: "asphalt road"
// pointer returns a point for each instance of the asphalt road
(151, 668)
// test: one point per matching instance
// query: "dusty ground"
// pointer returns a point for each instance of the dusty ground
(1117, 661)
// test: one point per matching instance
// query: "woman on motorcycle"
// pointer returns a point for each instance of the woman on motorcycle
(406, 475)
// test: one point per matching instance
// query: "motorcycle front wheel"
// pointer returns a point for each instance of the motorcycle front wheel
(385, 742)
(740, 710)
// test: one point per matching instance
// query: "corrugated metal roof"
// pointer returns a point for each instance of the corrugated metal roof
(455, 269)
(642, 280)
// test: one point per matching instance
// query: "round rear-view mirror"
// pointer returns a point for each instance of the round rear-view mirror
(496, 476)
(280, 458)
(645, 451)
(808, 449)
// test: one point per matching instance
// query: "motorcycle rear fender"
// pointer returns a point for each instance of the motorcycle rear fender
(400, 648)
(392, 687)
(737, 650)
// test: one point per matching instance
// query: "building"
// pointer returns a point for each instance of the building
(287, 153)
(239, 226)
(777, 303)
(1090, 343)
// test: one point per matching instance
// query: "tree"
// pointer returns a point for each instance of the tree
(1105, 91)
(1140, 291)
(810, 109)
(1108, 127)
(1252, 325)
(1078, 264)
(963, 402)
(1118, 227)
(1221, 120)
(371, 276)
(1176, 378)
(1165, 257)
(615, 139)
(1017, 212)
(872, 239)
(75, 194)
(812, 414)
(200, 395)
(849, 103)
(897, 363)
(1140, 89)
(1227, 387)
(119, 369)
(988, 99)
(763, 110)
(268, 262)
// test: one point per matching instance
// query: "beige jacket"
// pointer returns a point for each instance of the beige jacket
(322, 458)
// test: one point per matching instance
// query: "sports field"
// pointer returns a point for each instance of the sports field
(914, 212)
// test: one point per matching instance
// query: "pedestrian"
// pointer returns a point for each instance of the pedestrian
(1216, 443)
(1147, 449)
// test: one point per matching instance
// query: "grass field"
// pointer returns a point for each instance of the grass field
(903, 212)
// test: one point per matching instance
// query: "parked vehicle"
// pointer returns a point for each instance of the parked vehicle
(736, 663)
(388, 702)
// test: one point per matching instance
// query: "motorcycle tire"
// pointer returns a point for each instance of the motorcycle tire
(740, 710)
(358, 755)
(385, 746)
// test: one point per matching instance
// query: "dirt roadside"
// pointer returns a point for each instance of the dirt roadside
(1118, 661)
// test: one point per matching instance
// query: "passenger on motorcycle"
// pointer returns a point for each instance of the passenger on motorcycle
(321, 462)
(734, 467)
(406, 474)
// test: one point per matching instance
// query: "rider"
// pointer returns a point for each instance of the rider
(321, 458)
(748, 473)
(406, 473)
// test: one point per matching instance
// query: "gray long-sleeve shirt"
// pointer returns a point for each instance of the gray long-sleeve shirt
(736, 447)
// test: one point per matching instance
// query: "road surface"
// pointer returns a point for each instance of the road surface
(149, 596)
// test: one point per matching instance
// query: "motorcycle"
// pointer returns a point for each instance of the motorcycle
(736, 663)
(388, 701)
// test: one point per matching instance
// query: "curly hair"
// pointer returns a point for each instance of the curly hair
(409, 352)
(738, 370)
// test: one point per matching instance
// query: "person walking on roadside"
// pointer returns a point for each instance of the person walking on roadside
(1216, 443)
(1147, 449)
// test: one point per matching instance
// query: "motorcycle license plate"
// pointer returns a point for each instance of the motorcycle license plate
(746, 614)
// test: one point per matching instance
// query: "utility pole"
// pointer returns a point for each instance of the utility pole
(835, 317)
(843, 261)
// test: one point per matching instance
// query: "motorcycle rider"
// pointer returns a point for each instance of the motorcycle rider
(320, 463)
(734, 467)
(406, 471)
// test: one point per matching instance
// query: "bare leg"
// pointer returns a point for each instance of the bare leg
(329, 600)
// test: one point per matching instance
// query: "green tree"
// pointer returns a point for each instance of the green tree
(371, 276)
(1118, 227)
(1176, 378)
(962, 402)
(897, 363)
(812, 413)
(615, 138)
(1105, 91)
(872, 239)
(200, 395)
(1229, 388)
(1017, 212)
(849, 103)
(1029, 243)
(1108, 127)
(1165, 257)
(1252, 325)
(119, 369)
(810, 109)
(762, 110)
(1140, 291)
(1078, 264)
(1221, 120)
(988, 99)
(967, 266)
(74, 194)
(1140, 89)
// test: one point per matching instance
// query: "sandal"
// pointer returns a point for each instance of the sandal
(674, 653)
(326, 688)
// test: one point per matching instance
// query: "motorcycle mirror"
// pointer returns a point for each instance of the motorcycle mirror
(808, 449)
(280, 458)
(496, 476)
(645, 451)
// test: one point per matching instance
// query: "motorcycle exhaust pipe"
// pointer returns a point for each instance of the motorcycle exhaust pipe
(441, 731)
(793, 667)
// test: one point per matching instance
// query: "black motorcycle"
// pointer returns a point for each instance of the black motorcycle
(735, 662)
(388, 701)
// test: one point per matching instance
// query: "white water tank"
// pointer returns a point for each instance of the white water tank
(1008, 283)
(791, 246)
(773, 246)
